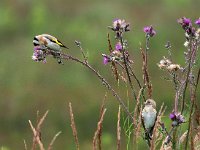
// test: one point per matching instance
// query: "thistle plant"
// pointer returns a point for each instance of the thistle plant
(182, 77)
(145, 120)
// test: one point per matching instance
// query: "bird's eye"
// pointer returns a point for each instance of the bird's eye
(35, 44)
(35, 39)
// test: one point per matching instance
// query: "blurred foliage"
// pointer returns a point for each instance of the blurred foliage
(27, 86)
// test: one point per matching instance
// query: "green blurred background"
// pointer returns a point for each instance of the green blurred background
(27, 86)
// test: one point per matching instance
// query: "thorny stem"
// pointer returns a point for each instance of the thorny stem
(126, 67)
(189, 125)
(147, 42)
(69, 57)
(169, 50)
(176, 102)
(164, 130)
(175, 80)
(146, 70)
(177, 92)
(193, 99)
(147, 48)
(187, 77)
(185, 87)
(169, 138)
(174, 138)
(198, 77)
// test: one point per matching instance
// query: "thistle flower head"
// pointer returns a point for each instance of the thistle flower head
(173, 67)
(168, 65)
(164, 63)
(197, 22)
(39, 54)
(118, 46)
(176, 118)
(187, 21)
(120, 25)
(106, 59)
(187, 26)
(184, 22)
(149, 31)
(116, 55)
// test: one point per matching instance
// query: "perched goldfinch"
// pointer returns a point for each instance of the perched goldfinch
(149, 115)
(47, 44)
(47, 41)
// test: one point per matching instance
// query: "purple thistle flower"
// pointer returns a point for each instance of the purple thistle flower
(185, 23)
(187, 26)
(146, 29)
(149, 31)
(120, 25)
(118, 46)
(117, 23)
(38, 54)
(181, 118)
(172, 116)
(177, 118)
(106, 60)
(197, 22)
(37, 48)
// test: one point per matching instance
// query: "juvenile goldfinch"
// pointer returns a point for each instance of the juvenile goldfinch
(47, 41)
(149, 115)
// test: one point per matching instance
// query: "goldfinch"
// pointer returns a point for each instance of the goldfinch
(47, 45)
(47, 41)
